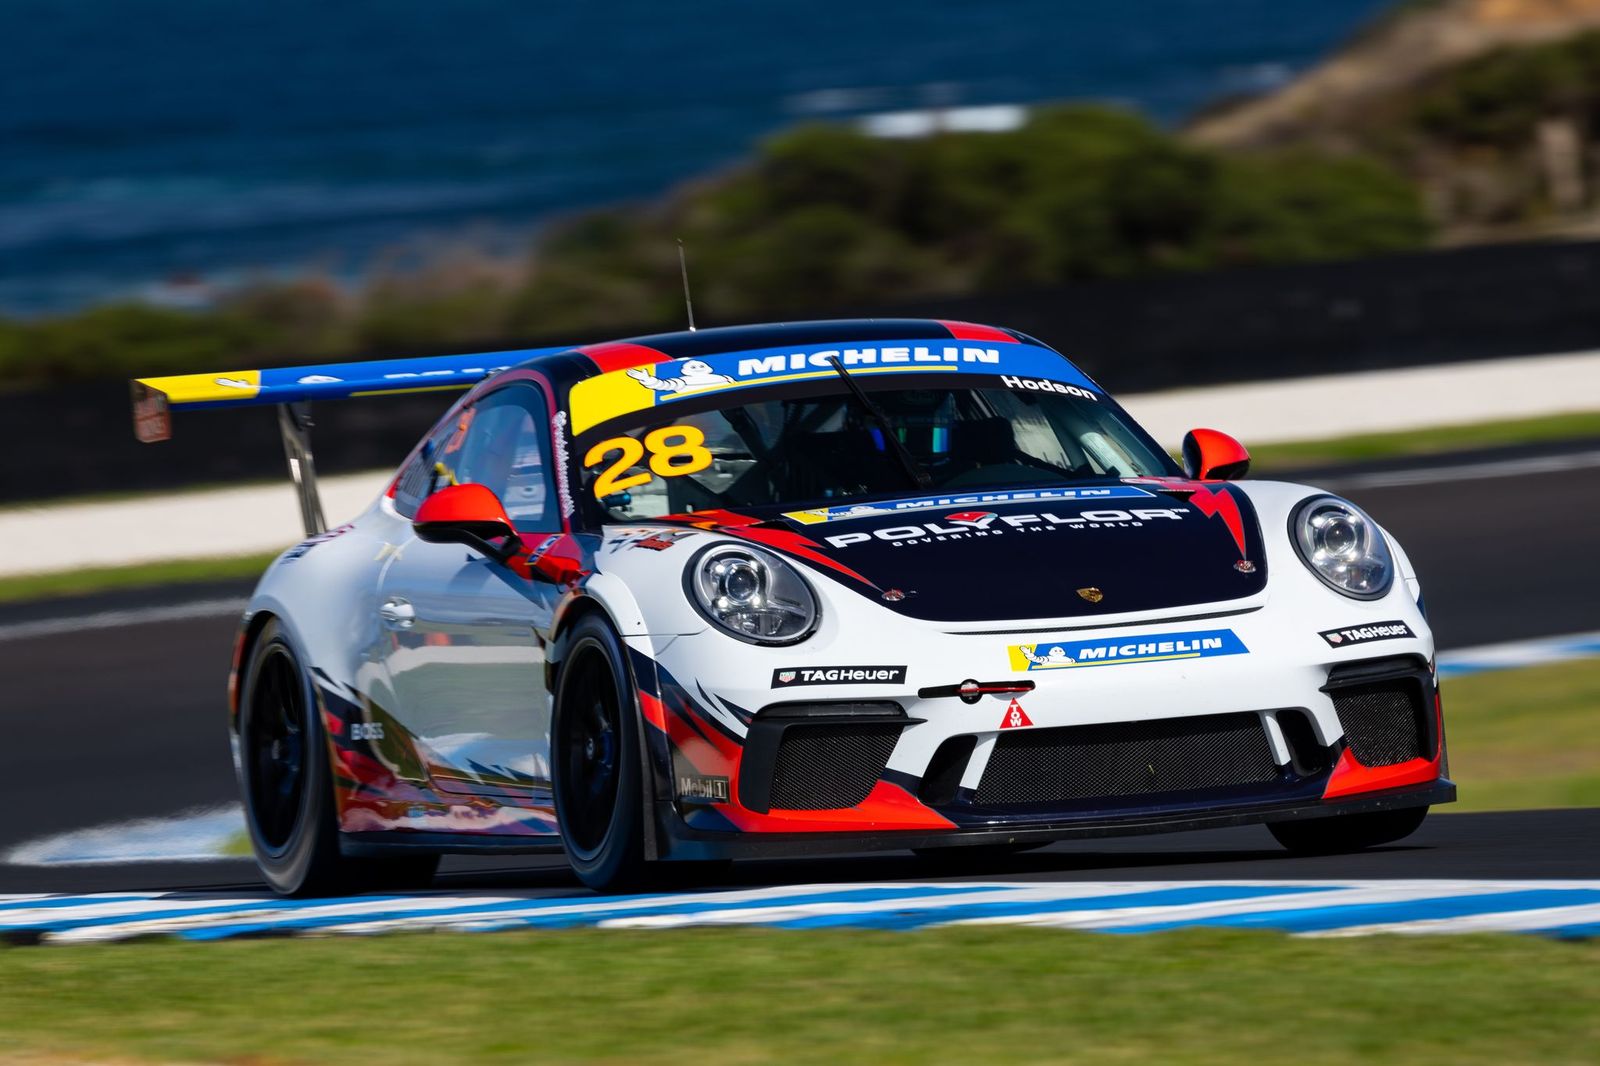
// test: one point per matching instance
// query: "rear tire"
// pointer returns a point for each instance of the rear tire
(1347, 832)
(595, 755)
(287, 785)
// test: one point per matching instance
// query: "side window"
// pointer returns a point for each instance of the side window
(500, 442)
(420, 477)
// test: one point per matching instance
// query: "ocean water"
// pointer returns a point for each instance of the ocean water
(148, 141)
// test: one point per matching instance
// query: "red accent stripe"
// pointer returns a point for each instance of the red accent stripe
(887, 807)
(795, 544)
(619, 355)
(1350, 777)
(972, 331)
(650, 707)
(735, 524)
(1211, 504)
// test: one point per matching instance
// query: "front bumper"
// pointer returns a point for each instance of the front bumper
(686, 843)
(1292, 729)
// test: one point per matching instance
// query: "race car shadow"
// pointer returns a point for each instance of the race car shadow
(1243, 853)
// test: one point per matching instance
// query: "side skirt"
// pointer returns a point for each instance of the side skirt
(389, 843)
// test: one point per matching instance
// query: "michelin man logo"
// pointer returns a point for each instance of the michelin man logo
(1056, 655)
(693, 374)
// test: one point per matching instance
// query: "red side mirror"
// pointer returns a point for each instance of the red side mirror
(465, 514)
(1211, 455)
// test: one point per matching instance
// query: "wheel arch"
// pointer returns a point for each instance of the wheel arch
(589, 606)
(250, 629)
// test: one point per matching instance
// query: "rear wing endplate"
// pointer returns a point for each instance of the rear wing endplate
(293, 388)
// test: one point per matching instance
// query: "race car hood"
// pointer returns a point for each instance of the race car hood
(1043, 553)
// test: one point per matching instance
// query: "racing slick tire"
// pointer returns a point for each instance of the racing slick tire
(596, 760)
(288, 785)
(1347, 832)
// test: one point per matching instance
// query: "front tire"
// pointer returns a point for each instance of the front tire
(1345, 833)
(595, 755)
(288, 787)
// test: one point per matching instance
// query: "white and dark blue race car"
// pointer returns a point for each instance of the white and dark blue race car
(815, 587)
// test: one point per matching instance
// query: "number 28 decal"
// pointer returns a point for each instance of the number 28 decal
(673, 450)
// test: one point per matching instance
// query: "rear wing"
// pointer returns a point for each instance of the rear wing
(293, 388)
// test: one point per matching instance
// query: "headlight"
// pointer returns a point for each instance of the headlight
(751, 594)
(1343, 547)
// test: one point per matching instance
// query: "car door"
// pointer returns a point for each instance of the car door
(464, 658)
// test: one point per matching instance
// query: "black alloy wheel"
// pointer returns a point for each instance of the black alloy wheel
(597, 755)
(287, 785)
(591, 773)
(276, 746)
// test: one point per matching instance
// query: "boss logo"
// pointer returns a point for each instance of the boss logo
(366, 731)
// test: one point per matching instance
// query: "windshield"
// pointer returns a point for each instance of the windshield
(823, 443)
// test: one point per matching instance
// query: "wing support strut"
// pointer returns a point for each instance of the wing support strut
(294, 423)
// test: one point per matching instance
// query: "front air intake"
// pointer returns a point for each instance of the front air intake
(819, 756)
(1117, 759)
(1385, 708)
(826, 767)
(1382, 722)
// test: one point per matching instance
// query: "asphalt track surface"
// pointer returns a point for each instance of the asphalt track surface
(127, 723)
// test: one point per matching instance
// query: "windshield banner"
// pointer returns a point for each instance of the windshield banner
(621, 392)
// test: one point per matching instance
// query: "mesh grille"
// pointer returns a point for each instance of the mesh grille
(1127, 759)
(1381, 722)
(825, 767)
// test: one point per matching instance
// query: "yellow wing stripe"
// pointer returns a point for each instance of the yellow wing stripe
(205, 388)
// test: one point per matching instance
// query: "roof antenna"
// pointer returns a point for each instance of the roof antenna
(683, 268)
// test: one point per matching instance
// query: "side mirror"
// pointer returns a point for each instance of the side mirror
(470, 515)
(1210, 455)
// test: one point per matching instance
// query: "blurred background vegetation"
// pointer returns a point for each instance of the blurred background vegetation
(824, 216)
(1499, 144)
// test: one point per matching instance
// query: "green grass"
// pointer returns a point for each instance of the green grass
(238, 846)
(102, 578)
(1272, 458)
(743, 996)
(1522, 739)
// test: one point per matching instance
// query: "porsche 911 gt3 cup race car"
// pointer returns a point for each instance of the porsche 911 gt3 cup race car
(817, 587)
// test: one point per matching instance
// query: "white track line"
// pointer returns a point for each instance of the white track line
(1519, 653)
(1495, 468)
(881, 904)
(199, 835)
(177, 612)
(1507, 922)
(1100, 918)
(599, 907)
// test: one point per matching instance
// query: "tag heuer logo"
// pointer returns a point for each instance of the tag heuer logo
(839, 675)
(1394, 629)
